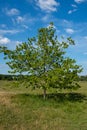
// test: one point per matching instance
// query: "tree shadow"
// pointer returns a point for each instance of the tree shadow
(58, 97)
(62, 97)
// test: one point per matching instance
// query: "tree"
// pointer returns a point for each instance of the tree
(42, 61)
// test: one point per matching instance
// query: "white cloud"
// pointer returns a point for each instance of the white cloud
(25, 26)
(3, 31)
(20, 19)
(3, 25)
(64, 23)
(23, 20)
(12, 11)
(80, 1)
(85, 37)
(73, 5)
(48, 5)
(47, 18)
(11, 44)
(71, 11)
(4, 40)
(18, 42)
(69, 30)
(85, 53)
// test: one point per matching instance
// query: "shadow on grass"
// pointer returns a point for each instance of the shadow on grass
(62, 97)
(59, 97)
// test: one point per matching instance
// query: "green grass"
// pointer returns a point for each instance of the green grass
(23, 109)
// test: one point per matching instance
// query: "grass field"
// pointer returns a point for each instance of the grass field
(23, 109)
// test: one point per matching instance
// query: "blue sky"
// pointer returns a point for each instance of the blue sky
(20, 19)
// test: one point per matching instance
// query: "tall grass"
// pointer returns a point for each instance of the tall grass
(22, 109)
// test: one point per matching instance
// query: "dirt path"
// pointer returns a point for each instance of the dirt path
(3, 93)
(5, 97)
(6, 93)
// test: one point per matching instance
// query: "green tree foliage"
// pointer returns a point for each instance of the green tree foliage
(42, 60)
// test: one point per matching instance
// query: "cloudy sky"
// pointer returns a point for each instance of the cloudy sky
(20, 19)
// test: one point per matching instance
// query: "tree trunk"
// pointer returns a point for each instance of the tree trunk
(44, 94)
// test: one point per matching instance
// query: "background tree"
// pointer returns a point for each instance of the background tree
(42, 61)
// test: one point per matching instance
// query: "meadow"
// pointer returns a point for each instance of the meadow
(24, 109)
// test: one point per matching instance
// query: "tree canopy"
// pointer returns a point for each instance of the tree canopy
(43, 61)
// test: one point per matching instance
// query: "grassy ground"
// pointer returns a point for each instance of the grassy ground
(23, 109)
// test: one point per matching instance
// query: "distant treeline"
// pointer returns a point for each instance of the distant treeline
(83, 78)
(12, 77)
(7, 77)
